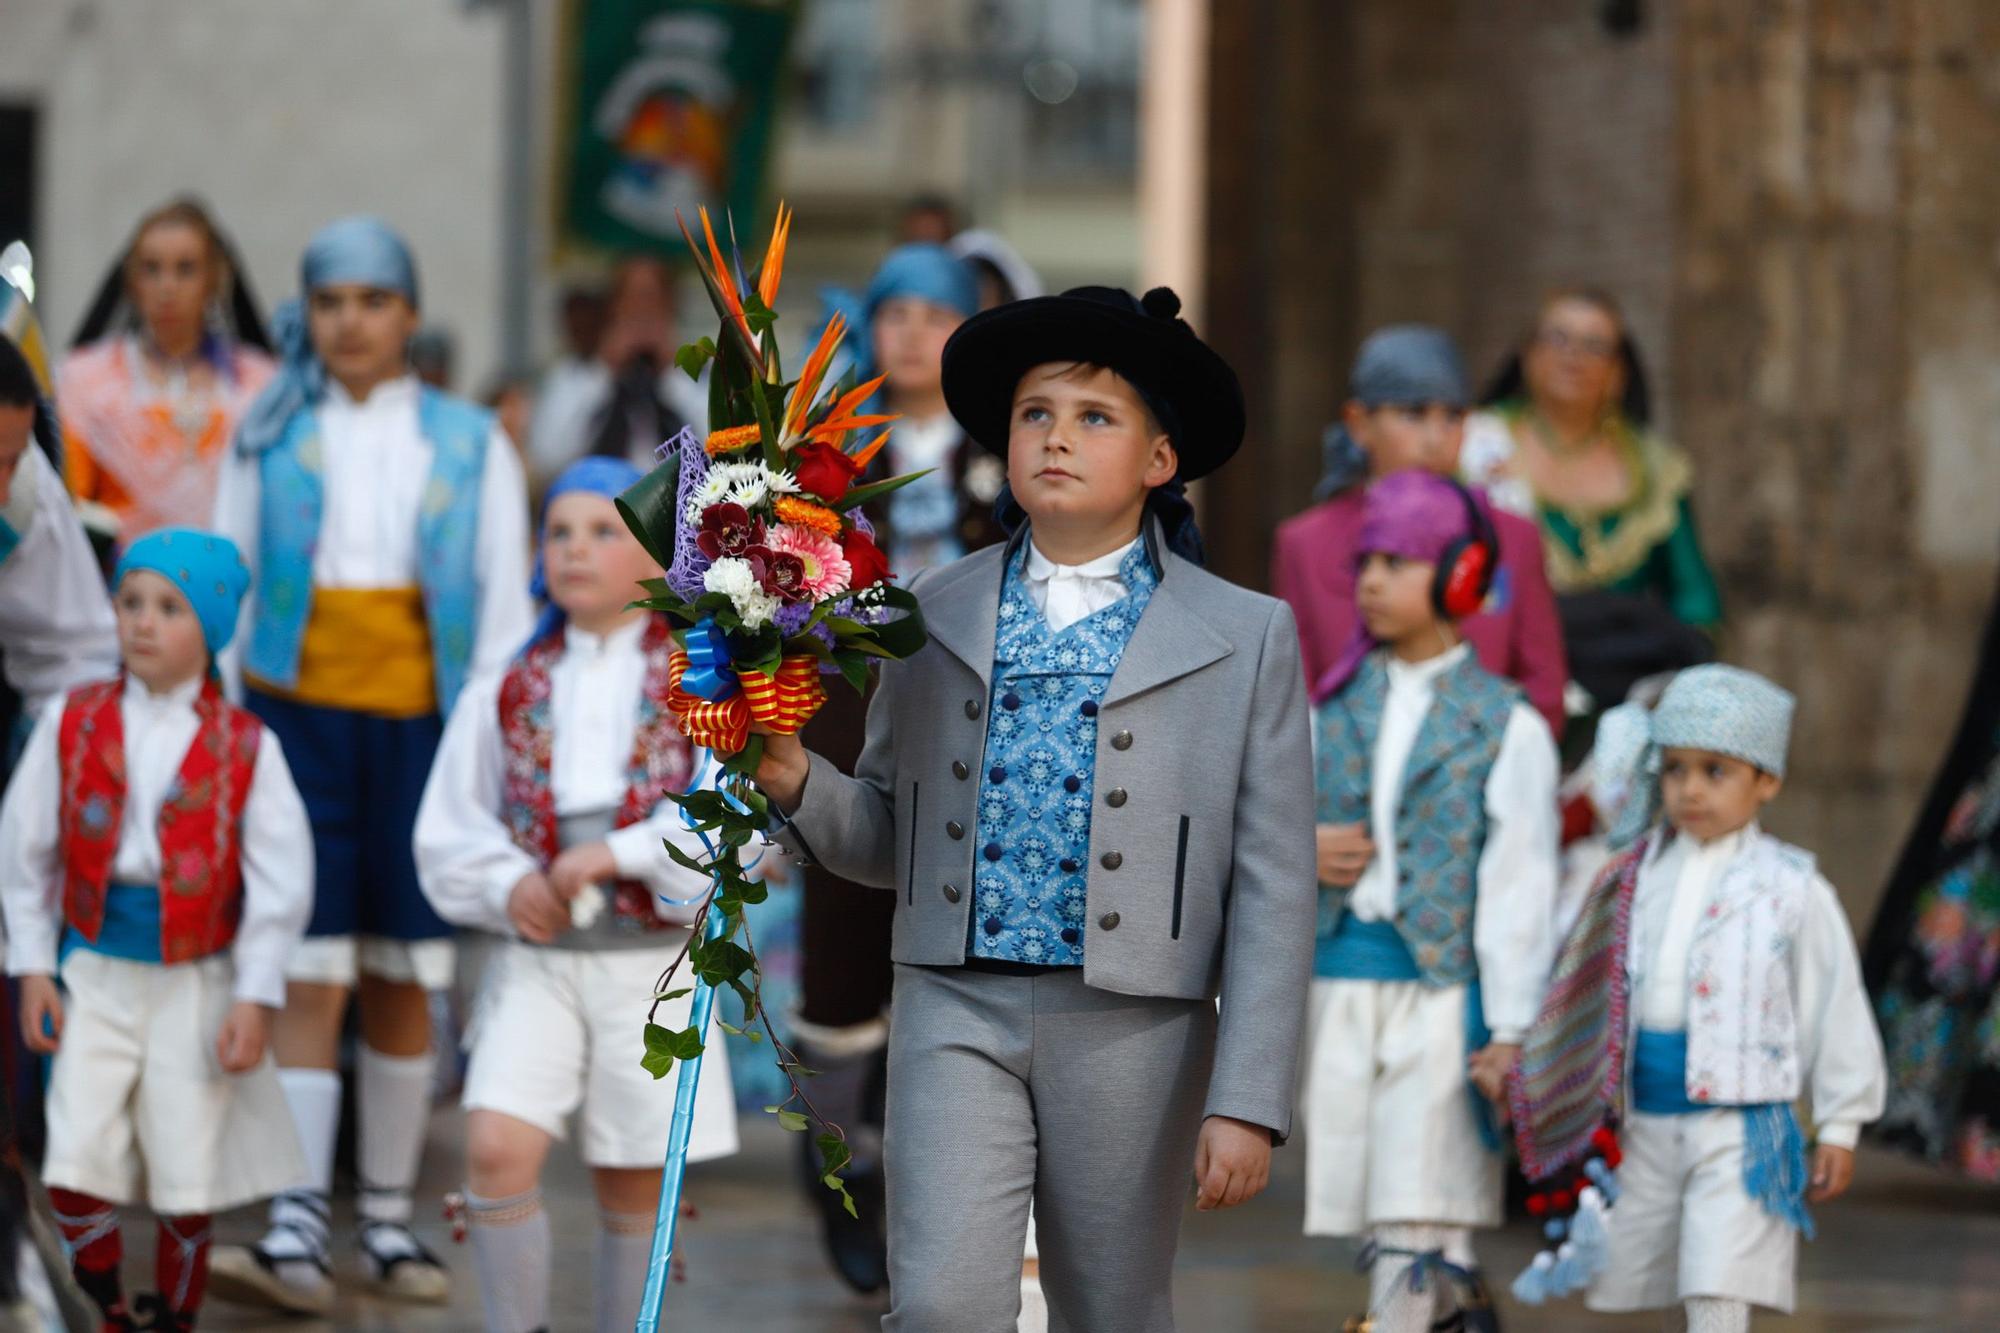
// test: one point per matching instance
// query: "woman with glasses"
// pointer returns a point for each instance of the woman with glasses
(1563, 439)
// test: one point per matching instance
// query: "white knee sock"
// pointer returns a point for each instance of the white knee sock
(314, 1098)
(1717, 1314)
(624, 1245)
(1394, 1302)
(395, 1103)
(510, 1253)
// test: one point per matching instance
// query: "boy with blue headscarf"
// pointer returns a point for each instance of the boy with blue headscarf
(386, 526)
(1709, 985)
(546, 822)
(155, 854)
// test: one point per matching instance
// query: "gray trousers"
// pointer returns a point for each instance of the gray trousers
(1007, 1088)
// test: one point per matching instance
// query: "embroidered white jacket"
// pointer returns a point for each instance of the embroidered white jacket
(1775, 1007)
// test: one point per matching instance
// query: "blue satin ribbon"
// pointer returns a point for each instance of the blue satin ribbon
(659, 1262)
(709, 675)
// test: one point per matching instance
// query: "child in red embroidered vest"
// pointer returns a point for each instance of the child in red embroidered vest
(1437, 841)
(545, 819)
(1709, 983)
(155, 854)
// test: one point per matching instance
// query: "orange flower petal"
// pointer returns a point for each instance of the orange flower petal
(774, 257)
(806, 514)
(729, 439)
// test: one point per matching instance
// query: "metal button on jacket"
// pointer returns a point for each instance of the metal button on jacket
(972, 709)
(1112, 860)
(1115, 797)
(1122, 741)
(954, 830)
(1109, 921)
(959, 770)
(951, 893)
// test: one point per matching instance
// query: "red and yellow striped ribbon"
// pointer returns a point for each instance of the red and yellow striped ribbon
(784, 700)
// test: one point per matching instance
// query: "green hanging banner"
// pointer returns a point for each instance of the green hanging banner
(666, 104)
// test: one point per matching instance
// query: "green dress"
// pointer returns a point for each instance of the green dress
(1647, 545)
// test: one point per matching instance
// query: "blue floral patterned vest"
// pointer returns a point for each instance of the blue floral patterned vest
(1441, 813)
(1033, 828)
(447, 539)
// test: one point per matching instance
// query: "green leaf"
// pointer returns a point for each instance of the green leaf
(686, 1044)
(647, 506)
(833, 1154)
(729, 1027)
(875, 490)
(683, 860)
(674, 994)
(693, 356)
(793, 1121)
(657, 1063)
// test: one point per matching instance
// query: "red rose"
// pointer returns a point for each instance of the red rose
(824, 470)
(870, 566)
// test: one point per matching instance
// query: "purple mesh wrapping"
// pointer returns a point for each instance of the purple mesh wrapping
(684, 575)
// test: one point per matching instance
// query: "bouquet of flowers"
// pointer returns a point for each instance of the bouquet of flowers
(774, 583)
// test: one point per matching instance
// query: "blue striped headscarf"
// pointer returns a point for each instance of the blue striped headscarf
(595, 475)
(364, 251)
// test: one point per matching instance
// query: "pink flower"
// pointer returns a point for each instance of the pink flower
(825, 570)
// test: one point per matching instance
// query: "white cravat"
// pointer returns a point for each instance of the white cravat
(375, 463)
(158, 730)
(1673, 892)
(1412, 689)
(592, 688)
(1066, 594)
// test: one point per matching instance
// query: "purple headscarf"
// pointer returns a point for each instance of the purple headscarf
(1412, 514)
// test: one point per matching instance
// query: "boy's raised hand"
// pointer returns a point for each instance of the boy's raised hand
(1232, 1163)
(538, 912)
(783, 770)
(41, 1001)
(1832, 1173)
(1344, 852)
(245, 1031)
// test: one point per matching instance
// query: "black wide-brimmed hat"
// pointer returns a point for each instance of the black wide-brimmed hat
(1192, 389)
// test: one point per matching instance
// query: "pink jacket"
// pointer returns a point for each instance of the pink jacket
(1517, 636)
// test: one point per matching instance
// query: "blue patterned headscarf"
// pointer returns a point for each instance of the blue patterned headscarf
(1722, 709)
(1402, 364)
(596, 475)
(361, 250)
(205, 566)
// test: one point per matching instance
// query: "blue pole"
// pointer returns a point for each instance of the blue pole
(660, 1265)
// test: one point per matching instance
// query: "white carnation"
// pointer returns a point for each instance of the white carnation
(746, 484)
(734, 579)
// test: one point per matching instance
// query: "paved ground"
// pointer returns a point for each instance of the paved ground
(1907, 1251)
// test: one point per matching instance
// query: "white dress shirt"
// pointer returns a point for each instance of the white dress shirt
(1840, 1051)
(277, 846)
(1512, 930)
(1068, 593)
(374, 466)
(56, 627)
(467, 861)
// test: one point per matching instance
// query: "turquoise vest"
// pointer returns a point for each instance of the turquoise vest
(9, 539)
(1440, 814)
(1032, 833)
(447, 541)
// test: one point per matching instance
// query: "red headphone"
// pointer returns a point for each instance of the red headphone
(1465, 570)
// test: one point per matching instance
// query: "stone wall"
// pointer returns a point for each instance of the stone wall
(1795, 201)
(1836, 334)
